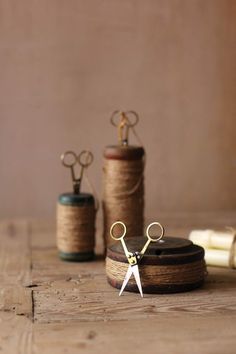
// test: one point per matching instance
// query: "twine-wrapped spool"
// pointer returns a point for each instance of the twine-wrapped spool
(76, 226)
(176, 265)
(123, 189)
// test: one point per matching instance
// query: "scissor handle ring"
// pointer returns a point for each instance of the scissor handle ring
(162, 231)
(87, 156)
(112, 227)
(118, 113)
(66, 154)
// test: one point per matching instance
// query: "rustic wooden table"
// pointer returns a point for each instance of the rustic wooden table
(50, 306)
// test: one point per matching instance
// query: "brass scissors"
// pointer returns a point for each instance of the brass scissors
(124, 121)
(134, 258)
(70, 159)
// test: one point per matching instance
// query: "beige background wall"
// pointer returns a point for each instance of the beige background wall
(66, 65)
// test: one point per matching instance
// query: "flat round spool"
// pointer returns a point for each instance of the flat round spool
(116, 152)
(174, 265)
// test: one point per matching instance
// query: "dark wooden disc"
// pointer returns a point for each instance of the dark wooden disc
(76, 199)
(182, 253)
(171, 251)
(116, 152)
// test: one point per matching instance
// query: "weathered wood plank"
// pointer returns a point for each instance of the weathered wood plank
(163, 334)
(43, 234)
(75, 308)
(15, 296)
(16, 299)
(47, 265)
(79, 291)
(15, 334)
(15, 267)
(88, 302)
(15, 252)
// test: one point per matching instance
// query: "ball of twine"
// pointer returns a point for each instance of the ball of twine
(123, 196)
(75, 228)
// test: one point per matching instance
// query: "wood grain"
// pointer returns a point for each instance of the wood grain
(16, 308)
(164, 334)
(15, 252)
(15, 334)
(71, 304)
(58, 307)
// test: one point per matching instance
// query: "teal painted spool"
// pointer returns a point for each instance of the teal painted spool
(81, 199)
(76, 227)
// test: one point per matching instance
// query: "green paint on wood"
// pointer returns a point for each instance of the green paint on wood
(72, 199)
(77, 257)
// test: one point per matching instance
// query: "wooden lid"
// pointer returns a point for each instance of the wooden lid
(172, 251)
(76, 199)
(119, 152)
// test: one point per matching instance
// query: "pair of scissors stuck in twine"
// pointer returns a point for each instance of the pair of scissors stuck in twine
(70, 159)
(134, 258)
(124, 121)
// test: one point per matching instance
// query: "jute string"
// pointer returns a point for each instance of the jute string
(75, 228)
(152, 275)
(123, 195)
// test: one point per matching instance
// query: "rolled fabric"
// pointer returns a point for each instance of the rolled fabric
(222, 240)
(219, 246)
(219, 258)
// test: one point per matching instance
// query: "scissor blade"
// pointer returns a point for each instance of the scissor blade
(135, 271)
(127, 277)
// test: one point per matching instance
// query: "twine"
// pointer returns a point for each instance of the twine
(75, 228)
(123, 195)
(156, 275)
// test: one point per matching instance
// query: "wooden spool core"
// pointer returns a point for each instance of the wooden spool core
(76, 227)
(176, 265)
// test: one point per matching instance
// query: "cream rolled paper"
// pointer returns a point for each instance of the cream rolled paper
(219, 246)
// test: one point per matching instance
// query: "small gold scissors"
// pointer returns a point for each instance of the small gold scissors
(134, 258)
(126, 121)
(84, 159)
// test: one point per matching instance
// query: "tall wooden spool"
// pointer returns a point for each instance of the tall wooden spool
(76, 226)
(123, 184)
(176, 265)
(76, 214)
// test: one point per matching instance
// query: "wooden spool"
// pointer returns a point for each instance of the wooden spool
(176, 265)
(76, 227)
(120, 152)
(123, 192)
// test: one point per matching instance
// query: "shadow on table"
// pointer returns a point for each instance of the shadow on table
(220, 278)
